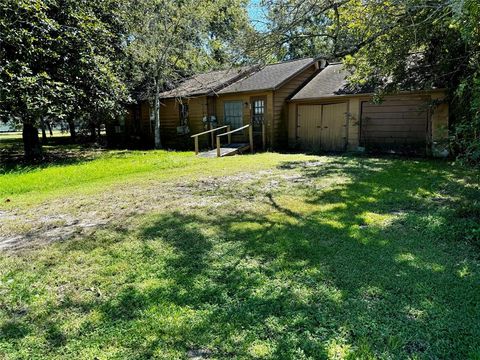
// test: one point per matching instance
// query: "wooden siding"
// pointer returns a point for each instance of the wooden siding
(170, 120)
(403, 119)
(245, 98)
(278, 130)
(138, 129)
(398, 124)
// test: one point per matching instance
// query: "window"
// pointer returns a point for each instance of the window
(233, 114)
(258, 113)
(183, 108)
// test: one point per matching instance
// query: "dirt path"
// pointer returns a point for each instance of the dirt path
(65, 218)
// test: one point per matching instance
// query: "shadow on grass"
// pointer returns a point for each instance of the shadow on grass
(296, 283)
(57, 151)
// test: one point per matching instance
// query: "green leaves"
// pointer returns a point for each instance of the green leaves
(59, 56)
(173, 39)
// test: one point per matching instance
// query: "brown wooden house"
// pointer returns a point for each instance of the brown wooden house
(261, 98)
(192, 106)
(183, 110)
(235, 97)
(301, 104)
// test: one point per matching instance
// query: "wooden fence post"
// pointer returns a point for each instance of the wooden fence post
(196, 146)
(218, 146)
(229, 135)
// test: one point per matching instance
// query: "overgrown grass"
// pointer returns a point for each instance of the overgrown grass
(106, 167)
(312, 258)
(31, 185)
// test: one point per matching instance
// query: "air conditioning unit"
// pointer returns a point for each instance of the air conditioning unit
(183, 130)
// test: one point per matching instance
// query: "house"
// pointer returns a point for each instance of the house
(301, 104)
(234, 97)
(328, 115)
(192, 106)
(183, 111)
(261, 98)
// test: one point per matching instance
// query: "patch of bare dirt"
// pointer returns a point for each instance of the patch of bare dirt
(62, 219)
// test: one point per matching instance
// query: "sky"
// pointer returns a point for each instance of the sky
(256, 14)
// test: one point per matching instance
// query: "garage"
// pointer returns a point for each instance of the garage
(322, 127)
(328, 114)
(395, 125)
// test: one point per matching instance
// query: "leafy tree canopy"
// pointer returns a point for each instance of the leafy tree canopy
(59, 58)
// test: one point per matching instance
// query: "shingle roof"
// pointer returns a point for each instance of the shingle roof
(205, 83)
(330, 81)
(270, 77)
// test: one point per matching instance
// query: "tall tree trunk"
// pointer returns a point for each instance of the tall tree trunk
(44, 132)
(49, 126)
(71, 127)
(99, 130)
(31, 143)
(156, 113)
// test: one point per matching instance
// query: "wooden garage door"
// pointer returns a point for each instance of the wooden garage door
(395, 125)
(322, 127)
(309, 126)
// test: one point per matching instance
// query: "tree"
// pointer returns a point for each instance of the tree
(58, 58)
(415, 44)
(171, 39)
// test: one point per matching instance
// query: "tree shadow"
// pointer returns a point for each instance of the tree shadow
(57, 151)
(308, 277)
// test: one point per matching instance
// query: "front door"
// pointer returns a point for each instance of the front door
(257, 116)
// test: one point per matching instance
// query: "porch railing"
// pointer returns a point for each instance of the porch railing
(229, 134)
(211, 131)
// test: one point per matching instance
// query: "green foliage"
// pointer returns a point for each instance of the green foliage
(59, 57)
(394, 45)
(170, 40)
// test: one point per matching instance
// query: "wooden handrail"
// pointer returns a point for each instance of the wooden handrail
(197, 147)
(209, 131)
(231, 132)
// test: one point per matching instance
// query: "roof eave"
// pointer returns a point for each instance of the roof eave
(329, 97)
(245, 91)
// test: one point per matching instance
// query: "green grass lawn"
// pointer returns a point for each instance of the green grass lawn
(272, 256)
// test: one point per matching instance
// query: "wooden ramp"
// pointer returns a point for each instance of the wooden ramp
(226, 150)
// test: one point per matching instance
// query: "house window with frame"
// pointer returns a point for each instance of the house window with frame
(233, 114)
(183, 111)
(258, 113)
